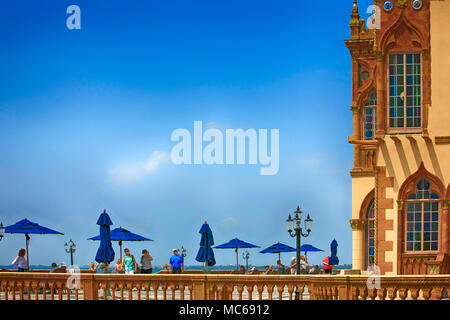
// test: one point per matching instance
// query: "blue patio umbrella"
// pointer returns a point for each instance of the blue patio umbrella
(309, 248)
(120, 234)
(27, 227)
(236, 244)
(105, 252)
(278, 248)
(205, 253)
(334, 260)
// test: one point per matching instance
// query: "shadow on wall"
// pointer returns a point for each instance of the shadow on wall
(403, 159)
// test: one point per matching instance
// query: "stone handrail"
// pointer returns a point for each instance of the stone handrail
(52, 286)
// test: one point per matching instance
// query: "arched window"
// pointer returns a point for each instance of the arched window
(370, 234)
(370, 116)
(422, 221)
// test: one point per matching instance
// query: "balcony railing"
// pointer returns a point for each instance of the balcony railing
(85, 286)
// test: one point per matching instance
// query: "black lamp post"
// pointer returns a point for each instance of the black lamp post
(294, 227)
(246, 256)
(70, 248)
(2, 231)
(183, 252)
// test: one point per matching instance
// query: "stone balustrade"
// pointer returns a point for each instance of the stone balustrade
(52, 286)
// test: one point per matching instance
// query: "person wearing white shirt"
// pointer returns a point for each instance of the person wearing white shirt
(20, 261)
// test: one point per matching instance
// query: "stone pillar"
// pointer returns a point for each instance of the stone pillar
(356, 135)
(445, 227)
(359, 247)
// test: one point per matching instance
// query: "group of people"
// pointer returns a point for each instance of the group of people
(305, 268)
(128, 264)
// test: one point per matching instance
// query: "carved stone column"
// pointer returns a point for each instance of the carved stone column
(356, 135)
(445, 225)
(359, 247)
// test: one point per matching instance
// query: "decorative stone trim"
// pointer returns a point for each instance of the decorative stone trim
(357, 224)
(400, 205)
(442, 140)
(445, 204)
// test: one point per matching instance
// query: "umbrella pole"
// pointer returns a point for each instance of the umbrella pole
(279, 257)
(237, 259)
(28, 258)
(120, 245)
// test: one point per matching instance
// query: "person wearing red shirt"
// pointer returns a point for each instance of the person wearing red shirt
(326, 266)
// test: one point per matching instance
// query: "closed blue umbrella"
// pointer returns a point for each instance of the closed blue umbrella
(205, 253)
(27, 227)
(121, 234)
(105, 252)
(334, 260)
(278, 248)
(236, 244)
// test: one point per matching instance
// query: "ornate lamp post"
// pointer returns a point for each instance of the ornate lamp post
(2, 231)
(183, 252)
(246, 256)
(70, 248)
(294, 227)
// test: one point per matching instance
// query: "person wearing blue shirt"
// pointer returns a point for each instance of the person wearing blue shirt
(176, 262)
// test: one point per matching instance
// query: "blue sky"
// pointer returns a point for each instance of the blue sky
(79, 106)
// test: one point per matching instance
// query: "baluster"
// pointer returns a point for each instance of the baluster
(260, 289)
(182, 287)
(6, 291)
(164, 289)
(250, 291)
(121, 287)
(300, 289)
(173, 288)
(35, 286)
(138, 288)
(27, 289)
(392, 293)
(220, 295)
(280, 289)
(290, 290)
(372, 293)
(335, 293)
(191, 292)
(229, 291)
(363, 293)
(147, 291)
(155, 287)
(76, 289)
(52, 290)
(240, 290)
(382, 294)
(13, 289)
(355, 293)
(44, 290)
(426, 293)
(130, 290)
(414, 293)
(270, 290)
(403, 293)
(437, 293)
(60, 290)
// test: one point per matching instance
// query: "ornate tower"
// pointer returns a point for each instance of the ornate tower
(399, 139)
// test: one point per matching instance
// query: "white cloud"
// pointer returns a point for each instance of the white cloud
(229, 221)
(131, 172)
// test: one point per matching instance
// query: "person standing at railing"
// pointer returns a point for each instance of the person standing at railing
(327, 267)
(146, 262)
(20, 261)
(176, 262)
(129, 263)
